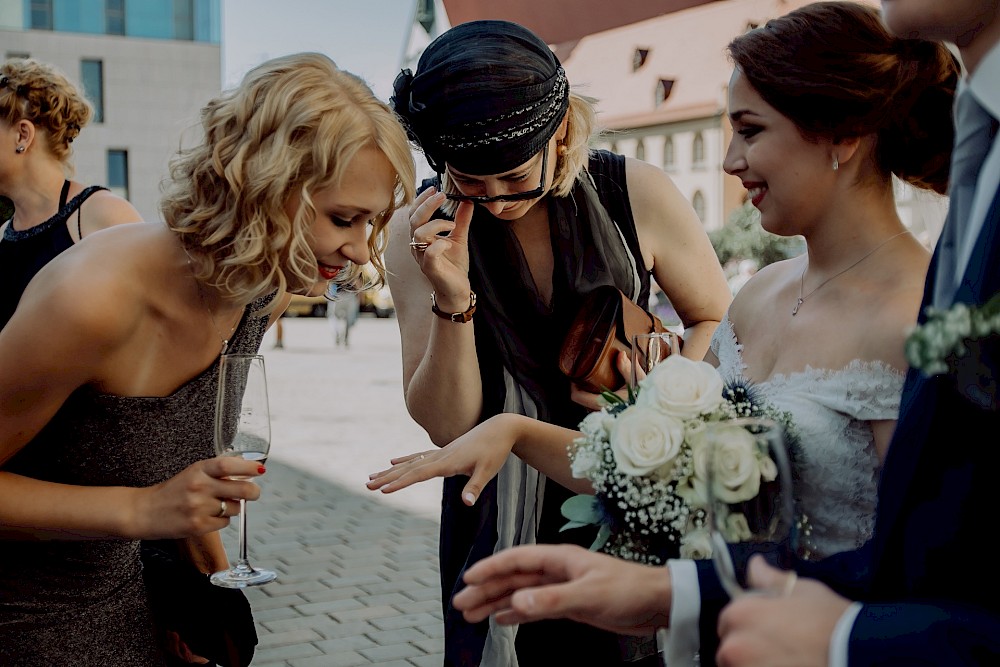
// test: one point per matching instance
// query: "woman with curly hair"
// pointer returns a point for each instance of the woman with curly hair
(106, 420)
(41, 113)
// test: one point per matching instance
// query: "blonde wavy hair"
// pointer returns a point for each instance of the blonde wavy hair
(38, 92)
(289, 129)
(579, 130)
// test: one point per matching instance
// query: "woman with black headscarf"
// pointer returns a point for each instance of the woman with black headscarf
(487, 270)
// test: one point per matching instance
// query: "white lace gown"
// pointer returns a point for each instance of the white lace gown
(833, 411)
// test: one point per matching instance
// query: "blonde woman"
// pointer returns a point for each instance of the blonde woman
(488, 269)
(41, 113)
(106, 419)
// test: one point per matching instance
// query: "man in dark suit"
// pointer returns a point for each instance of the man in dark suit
(924, 589)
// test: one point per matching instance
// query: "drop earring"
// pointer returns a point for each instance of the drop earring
(19, 150)
(836, 163)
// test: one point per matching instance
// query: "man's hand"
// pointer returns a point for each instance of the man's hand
(793, 630)
(530, 583)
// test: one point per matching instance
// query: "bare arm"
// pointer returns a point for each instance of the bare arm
(674, 244)
(441, 382)
(102, 210)
(41, 365)
(481, 453)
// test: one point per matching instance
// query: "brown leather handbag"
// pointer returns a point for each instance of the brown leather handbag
(606, 322)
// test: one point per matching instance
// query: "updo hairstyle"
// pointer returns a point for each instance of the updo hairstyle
(38, 92)
(837, 72)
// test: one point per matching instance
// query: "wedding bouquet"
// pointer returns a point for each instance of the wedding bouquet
(647, 460)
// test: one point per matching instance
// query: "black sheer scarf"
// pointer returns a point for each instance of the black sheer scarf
(526, 333)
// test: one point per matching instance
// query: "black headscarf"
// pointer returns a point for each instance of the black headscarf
(486, 97)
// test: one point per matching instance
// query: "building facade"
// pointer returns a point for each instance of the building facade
(661, 92)
(147, 66)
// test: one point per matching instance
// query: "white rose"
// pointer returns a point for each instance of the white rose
(736, 472)
(681, 387)
(585, 459)
(643, 440)
(696, 545)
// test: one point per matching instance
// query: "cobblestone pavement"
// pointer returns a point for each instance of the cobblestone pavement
(357, 571)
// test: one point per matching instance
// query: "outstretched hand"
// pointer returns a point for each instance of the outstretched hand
(479, 454)
(793, 630)
(531, 583)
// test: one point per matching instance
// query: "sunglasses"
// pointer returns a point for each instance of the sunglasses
(513, 196)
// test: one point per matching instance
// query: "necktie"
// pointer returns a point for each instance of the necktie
(975, 129)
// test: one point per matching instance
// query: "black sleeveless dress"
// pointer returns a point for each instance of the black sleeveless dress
(24, 253)
(518, 334)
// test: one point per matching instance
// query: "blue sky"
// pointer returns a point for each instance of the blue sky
(366, 37)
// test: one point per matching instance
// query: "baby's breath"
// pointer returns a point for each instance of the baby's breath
(645, 516)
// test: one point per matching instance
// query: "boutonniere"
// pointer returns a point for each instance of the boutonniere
(951, 342)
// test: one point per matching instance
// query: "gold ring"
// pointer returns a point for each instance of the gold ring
(222, 509)
(418, 246)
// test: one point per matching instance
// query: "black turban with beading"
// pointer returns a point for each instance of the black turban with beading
(486, 97)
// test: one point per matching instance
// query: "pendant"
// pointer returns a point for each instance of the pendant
(798, 303)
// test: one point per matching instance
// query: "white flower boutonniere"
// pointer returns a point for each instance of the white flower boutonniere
(956, 342)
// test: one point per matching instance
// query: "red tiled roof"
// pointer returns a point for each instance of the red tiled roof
(558, 22)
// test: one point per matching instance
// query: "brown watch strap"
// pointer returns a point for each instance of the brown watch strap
(461, 318)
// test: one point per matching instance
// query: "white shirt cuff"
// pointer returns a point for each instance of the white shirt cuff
(842, 636)
(682, 642)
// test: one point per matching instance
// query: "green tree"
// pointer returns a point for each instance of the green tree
(743, 238)
(6, 209)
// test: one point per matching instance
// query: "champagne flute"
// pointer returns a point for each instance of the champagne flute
(242, 428)
(750, 498)
(650, 349)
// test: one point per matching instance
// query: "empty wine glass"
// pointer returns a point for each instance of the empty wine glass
(649, 350)
(242, 428)
(749, 489)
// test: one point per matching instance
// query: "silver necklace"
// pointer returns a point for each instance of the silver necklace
(204, 302)
(802, 277)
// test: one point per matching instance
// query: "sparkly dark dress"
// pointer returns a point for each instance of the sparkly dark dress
(83, 603)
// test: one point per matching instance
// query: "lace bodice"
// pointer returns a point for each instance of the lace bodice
(833, 411)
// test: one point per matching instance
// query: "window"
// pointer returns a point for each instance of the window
(668, 153)
(425, 14)
(698, 150)
(114, 17)
(663, 89)
(92, 77)
(639, 58)
(41, 14)
(640, 150)
(118, 172)
(698, 204)
(184, 19)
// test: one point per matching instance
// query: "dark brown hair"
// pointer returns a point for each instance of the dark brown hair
(837, 72)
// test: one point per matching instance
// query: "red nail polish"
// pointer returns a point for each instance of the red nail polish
(261, 470)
